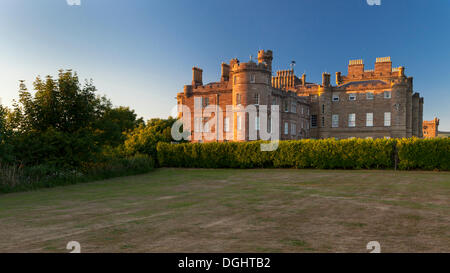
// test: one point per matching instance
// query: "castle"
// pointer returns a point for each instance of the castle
(431, 128)
(378, 103)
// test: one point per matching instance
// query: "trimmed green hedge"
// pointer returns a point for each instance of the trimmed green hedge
(321, 154)
(426, 154)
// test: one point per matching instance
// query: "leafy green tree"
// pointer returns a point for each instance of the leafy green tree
(56, 124)
(5, 135)
(62, 104)
(143, 140)
(112, 127)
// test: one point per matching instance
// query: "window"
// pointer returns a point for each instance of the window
(227, 124)
(387, 119)
(274, 101)
(294, 107)
(351, 120)
(257, 123)
(323, 121)
(238, 99)
(205, 102)
(252, 78)
(335, 97)
(256, 98)
(369, 119)
(239, 123)
(197, 125)
(286, 106)
(352, 96)
(293, 129)
(369, 95)
(313, 121)
(286, 128)
(335, 121)
(303, 110)
(387, 94)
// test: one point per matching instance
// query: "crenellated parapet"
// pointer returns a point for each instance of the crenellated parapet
(285, 79)
(383, 70)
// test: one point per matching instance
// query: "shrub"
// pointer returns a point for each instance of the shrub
(18, 178)
(323, 154)
(427, 154)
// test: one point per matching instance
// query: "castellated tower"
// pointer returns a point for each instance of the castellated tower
(266, 57)
(251, 85)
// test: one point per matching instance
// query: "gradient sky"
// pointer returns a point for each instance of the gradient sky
(140, 52)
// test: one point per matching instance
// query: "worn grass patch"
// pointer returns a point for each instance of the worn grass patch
(263, 210)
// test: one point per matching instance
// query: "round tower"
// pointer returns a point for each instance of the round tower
(251, 85)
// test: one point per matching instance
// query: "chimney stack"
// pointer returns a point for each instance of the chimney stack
(338, 78)
(197, 76)
(225, 72)
(325, 79)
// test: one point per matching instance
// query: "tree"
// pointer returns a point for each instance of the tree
(112, 127)
(6, 153)
(56, 125)
(143, 140)
(62, 104)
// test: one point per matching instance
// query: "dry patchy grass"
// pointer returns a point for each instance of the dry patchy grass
(270, 210)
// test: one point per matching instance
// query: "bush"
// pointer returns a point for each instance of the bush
(19, 178)
(322, 154)
(426, 154)
(143, 139)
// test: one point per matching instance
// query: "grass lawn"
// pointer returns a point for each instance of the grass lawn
(268, 210)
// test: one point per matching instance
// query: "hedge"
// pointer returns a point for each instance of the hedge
(19, 178)
(426, 154)
(321, 154)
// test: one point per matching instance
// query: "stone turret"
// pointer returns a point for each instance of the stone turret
(266, 57)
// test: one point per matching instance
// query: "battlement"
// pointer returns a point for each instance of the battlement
(383, 60)
(285, 79)
(356, 62)
(382, 70)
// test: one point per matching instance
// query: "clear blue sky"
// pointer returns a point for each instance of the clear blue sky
(140, 52)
